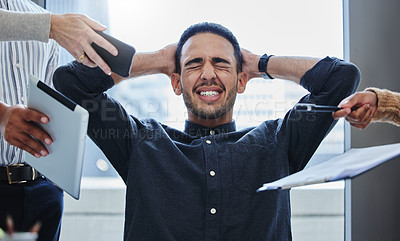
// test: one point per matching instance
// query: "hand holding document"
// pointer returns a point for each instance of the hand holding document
(347, 165)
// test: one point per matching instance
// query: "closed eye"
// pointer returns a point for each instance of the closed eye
(219, 66)
(221, 63)
(193, 67)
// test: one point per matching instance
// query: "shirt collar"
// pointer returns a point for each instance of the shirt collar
(197, 130)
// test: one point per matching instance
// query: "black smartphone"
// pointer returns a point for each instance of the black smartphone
(120, 64)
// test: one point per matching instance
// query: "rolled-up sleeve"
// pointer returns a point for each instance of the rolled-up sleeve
(329, 82)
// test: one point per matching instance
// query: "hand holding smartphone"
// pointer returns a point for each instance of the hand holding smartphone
(120, 64)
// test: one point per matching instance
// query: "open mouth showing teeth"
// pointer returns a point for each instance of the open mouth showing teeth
(208, 93)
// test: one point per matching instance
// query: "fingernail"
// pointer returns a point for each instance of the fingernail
(47, 141)
(115, 52)
(44, 120)
(109, 72)
(44, 153)
(37, 155)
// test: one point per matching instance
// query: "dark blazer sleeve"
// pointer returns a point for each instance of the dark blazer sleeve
(110, 126)
(329, 82)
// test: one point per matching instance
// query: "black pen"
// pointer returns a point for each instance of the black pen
(316, 108)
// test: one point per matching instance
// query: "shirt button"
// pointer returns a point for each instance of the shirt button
(208, 142)
(212, 173)
(212, 132)
(18, 65)
(22, 99)
(213, 211)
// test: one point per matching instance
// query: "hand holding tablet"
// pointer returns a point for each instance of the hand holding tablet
(68, 123)
(67, 127)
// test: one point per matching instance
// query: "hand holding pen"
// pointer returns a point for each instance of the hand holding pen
(358, 109)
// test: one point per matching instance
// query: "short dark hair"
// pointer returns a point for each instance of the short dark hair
(207, 27)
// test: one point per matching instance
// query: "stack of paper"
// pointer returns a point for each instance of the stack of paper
(347, 165)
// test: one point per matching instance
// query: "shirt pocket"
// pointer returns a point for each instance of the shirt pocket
(253, 165)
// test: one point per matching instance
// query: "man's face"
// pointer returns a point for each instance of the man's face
(209, 79)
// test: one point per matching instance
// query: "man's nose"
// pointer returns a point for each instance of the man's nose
(208, 72)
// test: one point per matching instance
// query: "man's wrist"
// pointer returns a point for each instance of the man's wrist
(148, 63)
(166, 65)
(262, 66)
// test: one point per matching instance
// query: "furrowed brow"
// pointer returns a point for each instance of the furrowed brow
(217, 60)
(194, 61)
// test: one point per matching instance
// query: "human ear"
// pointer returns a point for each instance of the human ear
(242, 82)
(176, 83)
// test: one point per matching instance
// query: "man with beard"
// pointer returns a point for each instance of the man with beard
(200, 183)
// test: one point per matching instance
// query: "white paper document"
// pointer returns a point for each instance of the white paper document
(347, 165)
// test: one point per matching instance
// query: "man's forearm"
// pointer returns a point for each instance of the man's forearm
(143, 64)
(290, 68)
(282, 67)
(158, 62)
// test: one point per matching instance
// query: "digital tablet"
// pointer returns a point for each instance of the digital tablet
(120, 64)
(67, 127)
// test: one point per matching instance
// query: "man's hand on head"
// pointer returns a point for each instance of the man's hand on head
(18, 126)
(250, 63)
(168, 55)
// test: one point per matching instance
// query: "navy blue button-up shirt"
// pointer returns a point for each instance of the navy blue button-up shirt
(201, 184)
